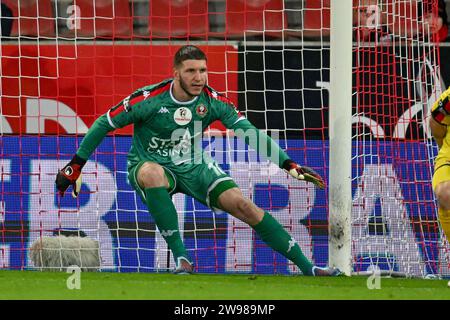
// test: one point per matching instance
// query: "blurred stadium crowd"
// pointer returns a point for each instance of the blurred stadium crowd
(208, 19)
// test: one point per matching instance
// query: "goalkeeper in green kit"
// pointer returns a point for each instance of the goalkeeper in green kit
(166, 157)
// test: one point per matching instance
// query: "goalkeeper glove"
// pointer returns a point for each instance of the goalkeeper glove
(70, 175)
(441, 108)
(303, 173)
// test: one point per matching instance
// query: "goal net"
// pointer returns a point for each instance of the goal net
(396, 81)
(65, 63)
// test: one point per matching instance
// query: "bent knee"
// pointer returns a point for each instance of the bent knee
(244, 205)
(233, 202)
(250, 212)
(152, 175)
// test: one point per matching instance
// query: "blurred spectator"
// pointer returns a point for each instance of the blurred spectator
(379, 21)
(6, 19)
(369, 22)
(439, 24)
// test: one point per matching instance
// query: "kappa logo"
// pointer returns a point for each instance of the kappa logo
(168, 233)
(146, 94)
(163, 110)
(126, 103)
(292, 243)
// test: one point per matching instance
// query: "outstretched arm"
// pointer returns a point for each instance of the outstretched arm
(70, 175)
(95, 135)
(117, 117)
(258, 140)
(268, 148)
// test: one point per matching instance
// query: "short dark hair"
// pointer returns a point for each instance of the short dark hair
(6, 20)
(188, 52)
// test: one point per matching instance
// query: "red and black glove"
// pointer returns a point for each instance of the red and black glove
(441, 108)
(303, 173)
(70, 175)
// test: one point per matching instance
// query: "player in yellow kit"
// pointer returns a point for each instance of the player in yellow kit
(439, 122)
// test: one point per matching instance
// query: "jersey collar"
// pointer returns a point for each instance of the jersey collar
(180, 102)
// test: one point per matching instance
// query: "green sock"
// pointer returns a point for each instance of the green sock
(275, 236)
(165, 215)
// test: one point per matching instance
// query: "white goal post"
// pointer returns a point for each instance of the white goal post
(340, 124)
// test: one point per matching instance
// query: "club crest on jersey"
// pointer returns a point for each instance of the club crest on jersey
(201, 110)
(182, 116)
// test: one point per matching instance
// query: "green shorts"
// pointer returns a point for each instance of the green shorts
(204, 182)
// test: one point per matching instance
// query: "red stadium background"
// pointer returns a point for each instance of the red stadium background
(90, 79)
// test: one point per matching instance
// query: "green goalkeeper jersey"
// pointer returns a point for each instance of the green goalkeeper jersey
(169, 132)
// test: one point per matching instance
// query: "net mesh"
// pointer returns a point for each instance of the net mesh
(64, 63)
(396, 80)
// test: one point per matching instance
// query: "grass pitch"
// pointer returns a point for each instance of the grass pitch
(32, 285)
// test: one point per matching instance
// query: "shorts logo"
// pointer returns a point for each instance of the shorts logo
(182, 116)
(201, 110)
